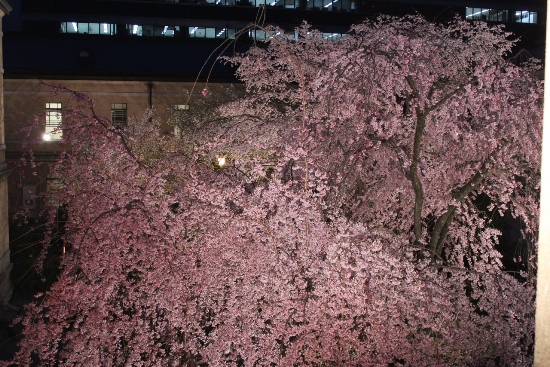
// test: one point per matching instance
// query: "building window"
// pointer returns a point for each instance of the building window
(88, 28)
(54, 116)
(119, 115)
(495, 15)
(176, 115)
(333, 36)
(207, 32)
(153, 30)
(55, 187)
(525, 16)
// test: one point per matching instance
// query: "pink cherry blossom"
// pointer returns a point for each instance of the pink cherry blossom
(355, 222)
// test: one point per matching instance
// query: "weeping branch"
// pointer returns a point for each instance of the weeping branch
(441, 228)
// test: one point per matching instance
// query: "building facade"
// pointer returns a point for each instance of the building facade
(6, 288)
(121, 101)
(133, 55)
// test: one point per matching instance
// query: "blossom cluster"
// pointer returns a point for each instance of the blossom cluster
(345, 227)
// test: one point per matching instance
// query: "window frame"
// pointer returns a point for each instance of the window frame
(54, 120)
(119, 115)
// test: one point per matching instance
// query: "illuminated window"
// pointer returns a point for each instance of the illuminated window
(54, 116)
(259, 35)
(152, 30)
(496, 15)
(332, 36)
(474, 13)
(170, 31)
(119, 115)
(88, 28)
(207, 32)
(526, 16)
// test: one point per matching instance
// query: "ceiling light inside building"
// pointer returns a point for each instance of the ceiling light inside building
(477, 13)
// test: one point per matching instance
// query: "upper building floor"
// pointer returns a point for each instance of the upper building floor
(175, 38)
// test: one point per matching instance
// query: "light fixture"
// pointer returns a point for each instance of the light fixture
(46, 137)
(135, 29)
(221, 161)
(75, 26)
(181, 107)
(477, 13)
(105, 28)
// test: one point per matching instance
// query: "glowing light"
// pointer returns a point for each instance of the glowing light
(75, 26)
(332, 36)
(221, 32)
(165, 29)
(105, 28)
(479, 12)
(46, 137)
(221, 161)
(193, 30)
(135, 29)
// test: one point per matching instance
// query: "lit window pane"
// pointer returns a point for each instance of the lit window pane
(54, 118)
(83, 28)
(210, 32)
(107, 29)
(200, 32)
(134, 29)
(526, 16)
(93, 28)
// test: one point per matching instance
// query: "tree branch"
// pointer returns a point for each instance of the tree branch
(441, 228)
(413, 174)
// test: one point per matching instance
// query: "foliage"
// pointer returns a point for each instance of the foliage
(345, 229)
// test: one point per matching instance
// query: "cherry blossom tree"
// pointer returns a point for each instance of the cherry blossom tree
(342, 213)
